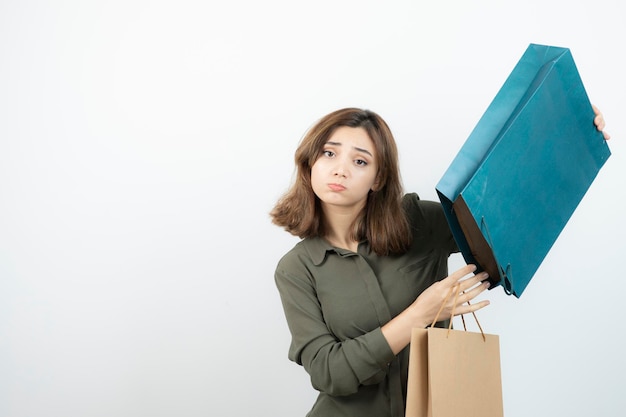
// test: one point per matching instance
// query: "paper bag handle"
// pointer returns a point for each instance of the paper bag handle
(456, 296)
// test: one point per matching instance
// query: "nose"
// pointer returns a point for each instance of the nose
(340, 169)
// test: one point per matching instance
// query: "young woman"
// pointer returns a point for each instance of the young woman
(371, 266)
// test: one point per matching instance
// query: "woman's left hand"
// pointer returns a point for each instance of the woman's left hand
(598, 120)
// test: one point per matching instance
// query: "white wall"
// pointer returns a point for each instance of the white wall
(142, 144)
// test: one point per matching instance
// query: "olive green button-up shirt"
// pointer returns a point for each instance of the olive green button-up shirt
(336, 302)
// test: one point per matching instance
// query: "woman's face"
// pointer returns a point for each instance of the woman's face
(346, 170)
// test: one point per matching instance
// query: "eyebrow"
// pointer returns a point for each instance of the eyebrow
(358, 149)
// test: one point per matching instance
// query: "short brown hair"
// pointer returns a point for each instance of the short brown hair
(383, 221)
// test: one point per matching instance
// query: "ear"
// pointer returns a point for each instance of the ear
(377, 185)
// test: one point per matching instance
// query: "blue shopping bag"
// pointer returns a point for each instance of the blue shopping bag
(524, 169)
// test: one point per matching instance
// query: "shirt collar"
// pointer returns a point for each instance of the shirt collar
(318, 247)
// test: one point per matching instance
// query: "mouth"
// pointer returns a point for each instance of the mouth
(336, 187)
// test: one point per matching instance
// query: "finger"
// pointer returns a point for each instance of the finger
(460, 273)
(599, 122)
(472, 293)
(471, 308)
(470, 282)
(600, 125)
(596, 110)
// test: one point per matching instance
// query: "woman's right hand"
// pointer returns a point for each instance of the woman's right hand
(450, 296)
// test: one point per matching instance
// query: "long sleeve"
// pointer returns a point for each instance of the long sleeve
(336, 367)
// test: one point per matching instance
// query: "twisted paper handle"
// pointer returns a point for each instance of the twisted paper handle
(456, 297)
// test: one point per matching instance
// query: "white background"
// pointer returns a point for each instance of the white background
(143, 143)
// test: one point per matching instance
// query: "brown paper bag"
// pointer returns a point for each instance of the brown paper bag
(454, 373)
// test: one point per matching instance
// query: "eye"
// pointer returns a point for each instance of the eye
(360, 162)
(328, 153)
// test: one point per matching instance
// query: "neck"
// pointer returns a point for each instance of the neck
(338, 225)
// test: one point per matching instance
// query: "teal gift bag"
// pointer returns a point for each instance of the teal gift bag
(525, 167)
